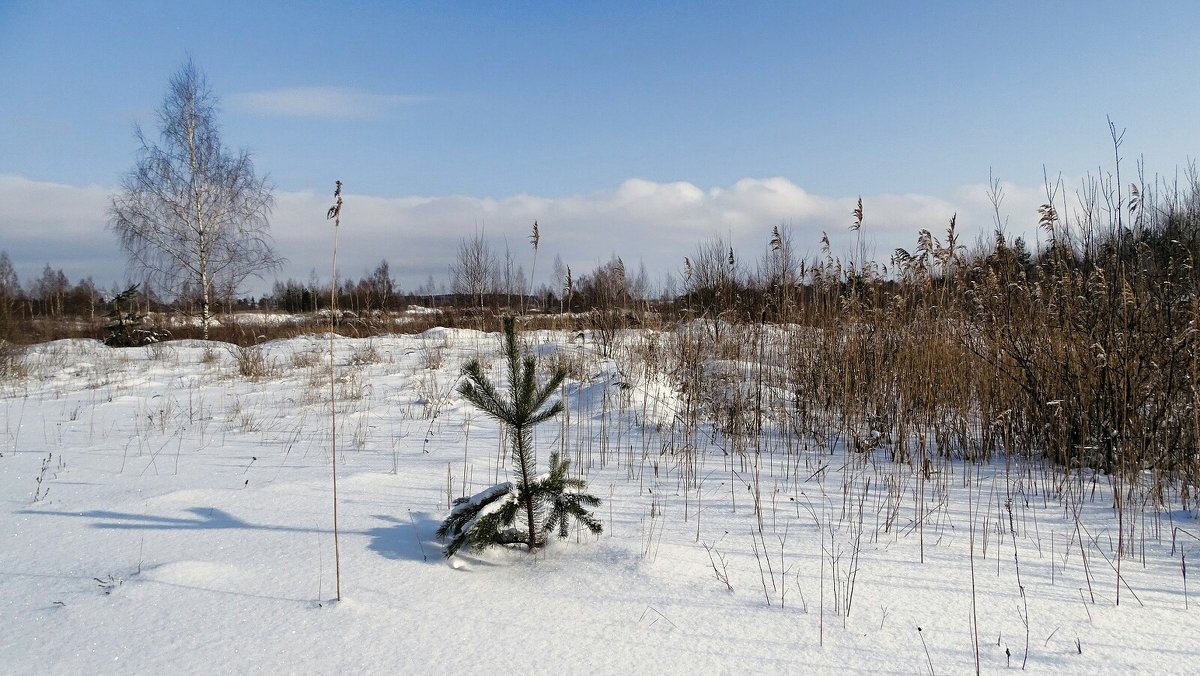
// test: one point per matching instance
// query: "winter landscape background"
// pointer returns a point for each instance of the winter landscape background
(879, 325)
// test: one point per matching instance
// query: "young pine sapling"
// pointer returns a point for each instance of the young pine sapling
(490, 517)
(125, 323)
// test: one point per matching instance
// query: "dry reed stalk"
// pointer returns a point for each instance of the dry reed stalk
(335, 213)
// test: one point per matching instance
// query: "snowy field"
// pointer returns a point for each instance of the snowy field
(168, 510)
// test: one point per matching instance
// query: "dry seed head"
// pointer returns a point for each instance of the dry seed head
(336, 210)
(925, 242)
(1049, 216)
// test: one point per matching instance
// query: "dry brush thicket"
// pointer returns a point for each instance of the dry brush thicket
(1085, 352)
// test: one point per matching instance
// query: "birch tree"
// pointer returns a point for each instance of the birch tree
(473, 269)
(10, 287)
(191, 212)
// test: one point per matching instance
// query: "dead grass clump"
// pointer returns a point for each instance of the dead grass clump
(574, 362)
(306, 359)
(432, 394)
(432, 353)
(352, 387)
(160, 351)
(361, 355)
(254, 363)
(12, 361)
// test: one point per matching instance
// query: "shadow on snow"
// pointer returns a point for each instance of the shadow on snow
(405, 540)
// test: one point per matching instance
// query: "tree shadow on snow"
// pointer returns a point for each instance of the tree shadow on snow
(409, 539)
(414, 540)
(206, 518)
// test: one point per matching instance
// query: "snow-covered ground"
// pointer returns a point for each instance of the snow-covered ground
(162, 512)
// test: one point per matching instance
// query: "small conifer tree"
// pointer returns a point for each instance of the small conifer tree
(489, 517)
(125, 323)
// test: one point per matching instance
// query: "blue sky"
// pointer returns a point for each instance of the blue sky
(637, 129)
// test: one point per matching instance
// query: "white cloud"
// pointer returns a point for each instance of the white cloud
(60, 225)
(639, 220)
(326, 102)
(40, 204)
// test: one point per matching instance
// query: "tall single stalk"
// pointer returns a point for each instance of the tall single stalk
(335, 212)
(535, 237)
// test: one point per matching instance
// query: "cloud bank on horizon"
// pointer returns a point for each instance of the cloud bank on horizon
(643, 221)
